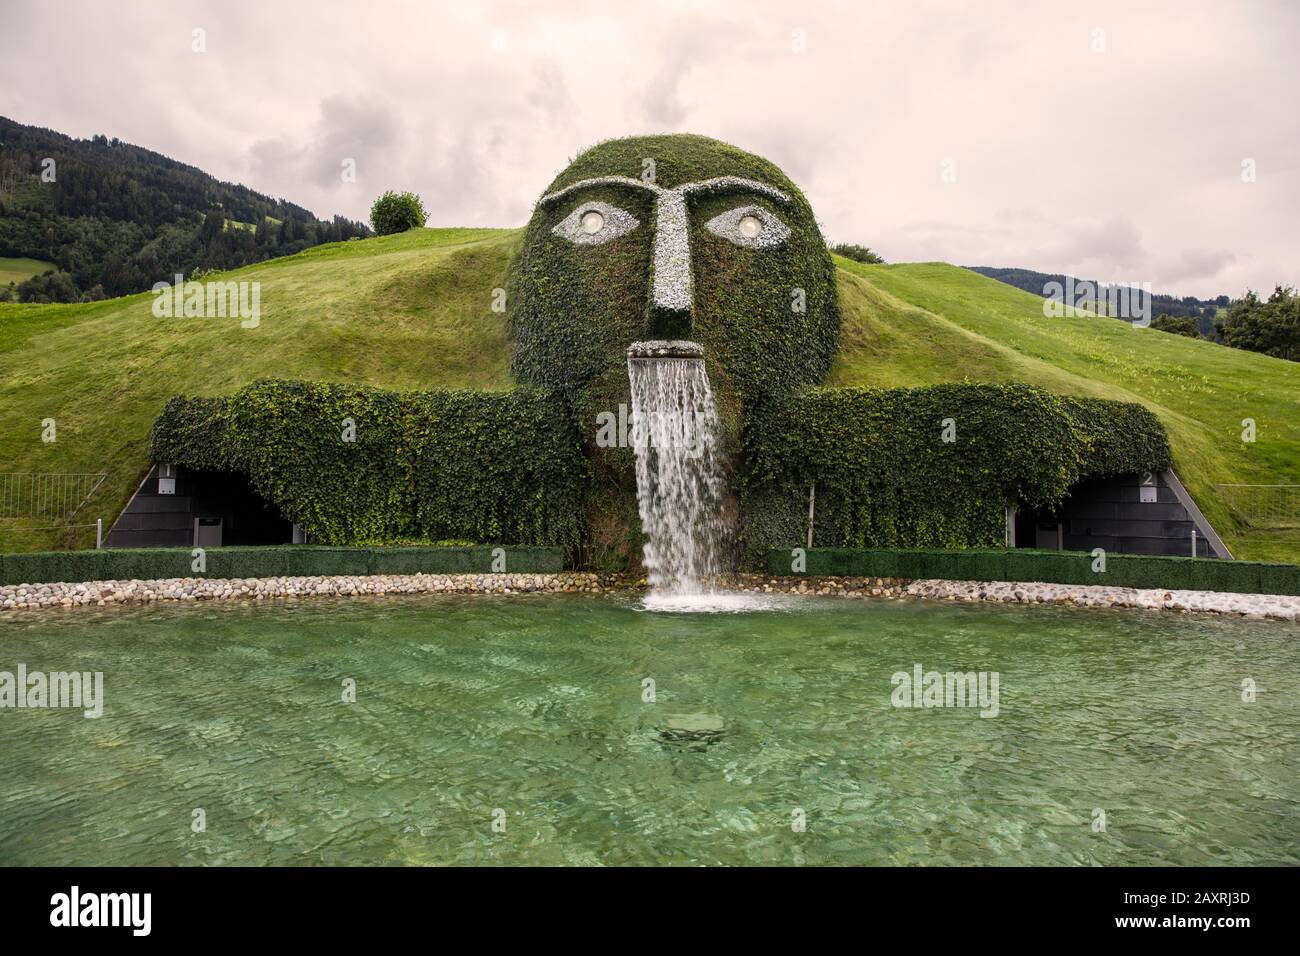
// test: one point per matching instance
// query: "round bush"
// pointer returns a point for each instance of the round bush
(397, 212)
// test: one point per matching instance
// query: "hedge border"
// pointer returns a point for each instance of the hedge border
(146, 564)
(440, 465)
(1049, 567)
(887, 477)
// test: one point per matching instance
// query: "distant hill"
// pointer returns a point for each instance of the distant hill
(408, 311)
(1201, 311)
(116, 218)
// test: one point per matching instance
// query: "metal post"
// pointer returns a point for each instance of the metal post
(812, 499)
(1193, 542)
(99, 533)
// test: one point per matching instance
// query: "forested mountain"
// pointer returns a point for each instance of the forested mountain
(1200, 311)
(116, 218)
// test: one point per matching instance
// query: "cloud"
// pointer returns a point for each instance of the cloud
(1123, 164)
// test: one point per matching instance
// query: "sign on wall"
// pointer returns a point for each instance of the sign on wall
(1147, 490)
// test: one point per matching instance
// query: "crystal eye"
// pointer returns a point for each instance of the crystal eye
(593, 223)
(750, 227)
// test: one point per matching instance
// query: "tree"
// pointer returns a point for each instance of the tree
(1177, 324)
(397, 212)
(50, 286)
(1271, 327)
(213, 225)
(857, 253)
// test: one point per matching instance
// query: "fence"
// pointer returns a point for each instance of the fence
(1263, 505)
(57, 498)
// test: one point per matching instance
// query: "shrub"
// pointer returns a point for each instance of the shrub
(484, 467)
(857, 253)
(397, 212)
(1054, 567)
(885, 476)
(1178, 325)
(303, 561)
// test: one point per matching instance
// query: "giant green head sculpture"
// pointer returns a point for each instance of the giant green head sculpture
(673, 237)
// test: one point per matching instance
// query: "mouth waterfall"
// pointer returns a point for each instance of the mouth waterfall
(679, 484)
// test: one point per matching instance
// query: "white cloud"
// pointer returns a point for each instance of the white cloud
(1118, 165)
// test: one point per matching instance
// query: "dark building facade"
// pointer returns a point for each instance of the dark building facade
(1127, 514)
(181, 507)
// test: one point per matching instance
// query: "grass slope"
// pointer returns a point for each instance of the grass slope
(407, 311)
(929, 322)
(414, 311)
(20, 270)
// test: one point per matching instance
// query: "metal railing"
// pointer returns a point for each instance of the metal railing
(52, 496)
(1275, 505)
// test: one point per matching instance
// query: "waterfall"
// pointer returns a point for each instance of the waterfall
(679, 486)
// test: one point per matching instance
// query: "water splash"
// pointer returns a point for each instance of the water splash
(679, 485)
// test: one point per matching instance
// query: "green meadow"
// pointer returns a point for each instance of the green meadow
(415, 311)
(930, 322)
(19, 270)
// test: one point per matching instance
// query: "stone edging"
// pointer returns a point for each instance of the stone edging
(102, 593)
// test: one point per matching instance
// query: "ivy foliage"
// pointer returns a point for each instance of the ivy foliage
(574, 309)
(886, 477)
(356, 465)
(768, 318)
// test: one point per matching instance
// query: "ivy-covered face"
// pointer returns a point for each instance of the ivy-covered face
(674, 237)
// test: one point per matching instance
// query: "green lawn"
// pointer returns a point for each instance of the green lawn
(414, 311)
(19, 270)
(406, 311)
(930, 322)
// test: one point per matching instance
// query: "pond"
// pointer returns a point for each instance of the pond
(572, 729)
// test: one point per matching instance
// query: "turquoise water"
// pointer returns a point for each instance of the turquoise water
(533, 705)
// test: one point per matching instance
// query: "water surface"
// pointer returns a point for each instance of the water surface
(534, 706)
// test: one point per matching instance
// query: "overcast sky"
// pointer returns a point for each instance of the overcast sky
(1106, 140)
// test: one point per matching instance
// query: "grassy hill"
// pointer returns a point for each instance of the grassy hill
(19, 270)
(929, 322)
(414, 311)
(408, 311)
(113, 217)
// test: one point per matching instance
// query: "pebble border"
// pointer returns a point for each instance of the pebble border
(103, 593)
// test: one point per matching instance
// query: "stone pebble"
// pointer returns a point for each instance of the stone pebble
(103, 593)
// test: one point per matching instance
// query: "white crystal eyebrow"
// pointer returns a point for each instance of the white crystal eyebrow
(720, 184)
(716, 184)
(673, 284)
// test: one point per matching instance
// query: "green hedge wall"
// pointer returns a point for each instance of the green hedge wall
(574, 310)
(1055, 567)
(263, 562)
(1120, 438)
(492, 467)
(885, 478)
